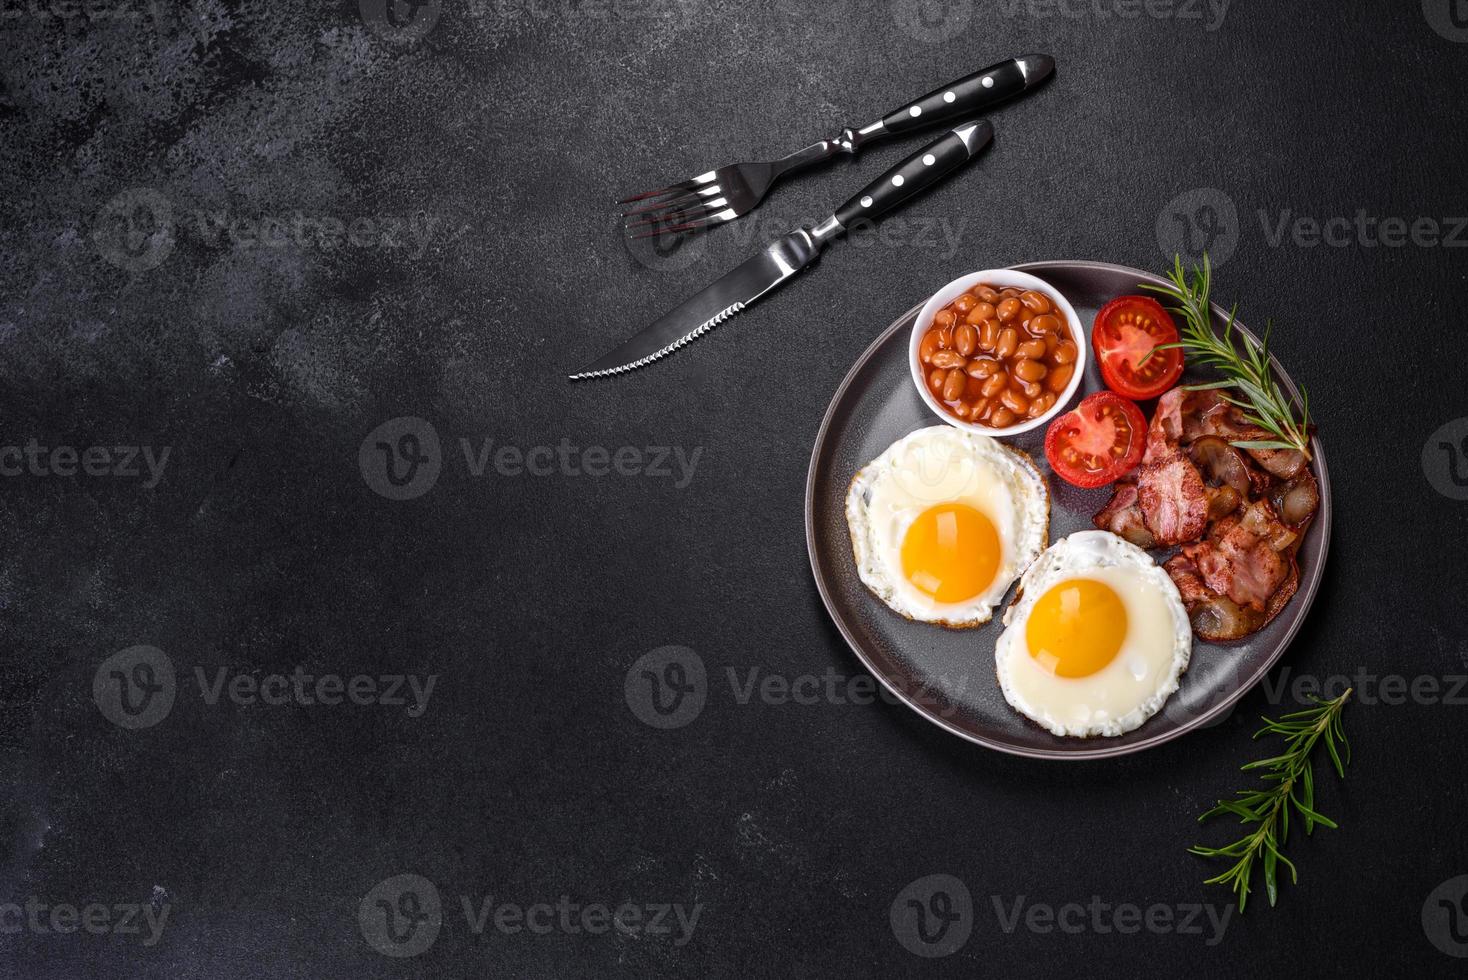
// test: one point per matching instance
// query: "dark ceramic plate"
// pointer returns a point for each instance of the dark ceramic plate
(947, 676)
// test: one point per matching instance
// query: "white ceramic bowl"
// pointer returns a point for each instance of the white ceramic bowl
(997, 278)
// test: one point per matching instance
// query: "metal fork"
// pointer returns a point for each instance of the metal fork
(729, 192)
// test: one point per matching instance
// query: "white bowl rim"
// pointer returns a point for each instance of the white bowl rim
(999, 278)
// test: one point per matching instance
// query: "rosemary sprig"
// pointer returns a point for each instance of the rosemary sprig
(1290, 784)
(1243, 363)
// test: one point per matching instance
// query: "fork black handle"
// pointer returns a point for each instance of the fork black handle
(924, 169)
(970, 94)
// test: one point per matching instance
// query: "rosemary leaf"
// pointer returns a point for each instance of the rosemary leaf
(1244, 363)
(1262, 444)
(1290, 785)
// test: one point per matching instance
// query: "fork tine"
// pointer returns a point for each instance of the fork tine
(672, 203)
(678, 201)
(679, 217)
(725, 215)
(687, 185)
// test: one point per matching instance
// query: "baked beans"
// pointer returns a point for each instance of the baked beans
(998, 356)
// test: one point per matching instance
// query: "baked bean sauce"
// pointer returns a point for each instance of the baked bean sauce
(998, 356)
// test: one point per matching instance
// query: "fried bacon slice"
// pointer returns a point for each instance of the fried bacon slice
(1166, 432)
(1173, 499)
(1217, 618)
(1238, 578)
(1239, 515)
(1245, 556)
(1214, 617)
(1123, 516)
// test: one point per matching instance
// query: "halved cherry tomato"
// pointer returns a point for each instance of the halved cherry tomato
(1098, 441)
(1126, 330)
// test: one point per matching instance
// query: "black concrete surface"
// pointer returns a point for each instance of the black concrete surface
(260, 237)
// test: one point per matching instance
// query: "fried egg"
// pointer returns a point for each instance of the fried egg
(1096, 638)
(944, 521)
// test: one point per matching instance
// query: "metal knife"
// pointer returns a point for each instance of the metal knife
(783, 258)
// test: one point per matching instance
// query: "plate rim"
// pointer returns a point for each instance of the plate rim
(1089, 748)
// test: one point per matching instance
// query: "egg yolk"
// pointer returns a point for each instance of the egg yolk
(1076, 628)
(951, 552)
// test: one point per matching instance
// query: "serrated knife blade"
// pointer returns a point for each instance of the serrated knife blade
(782, 259)
(703, 311)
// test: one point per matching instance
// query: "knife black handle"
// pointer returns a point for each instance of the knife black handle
(971, 94)
(924, 169)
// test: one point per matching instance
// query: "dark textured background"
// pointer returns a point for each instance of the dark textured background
(507, 129)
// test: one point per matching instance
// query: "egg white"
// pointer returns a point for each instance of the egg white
(942, 464)
(1145, 672)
